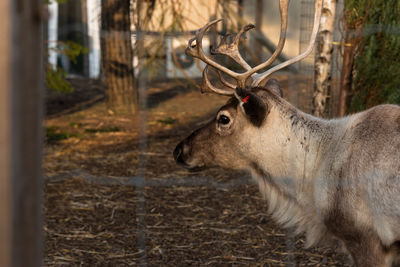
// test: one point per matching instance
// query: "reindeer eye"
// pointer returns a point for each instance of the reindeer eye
(223, 120)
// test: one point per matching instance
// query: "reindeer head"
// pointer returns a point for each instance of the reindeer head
(230, 140)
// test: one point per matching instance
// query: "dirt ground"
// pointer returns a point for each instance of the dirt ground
(115, 197)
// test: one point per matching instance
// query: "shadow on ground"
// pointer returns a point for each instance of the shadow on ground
(89, 223)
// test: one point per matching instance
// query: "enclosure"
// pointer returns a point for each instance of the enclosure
(99, 184)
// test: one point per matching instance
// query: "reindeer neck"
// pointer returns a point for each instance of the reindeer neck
(299, 144)
(310, 138)
(293, 148)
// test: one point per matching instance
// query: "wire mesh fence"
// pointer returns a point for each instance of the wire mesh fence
(113, 194)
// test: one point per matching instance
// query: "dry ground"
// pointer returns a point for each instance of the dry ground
(115, 197)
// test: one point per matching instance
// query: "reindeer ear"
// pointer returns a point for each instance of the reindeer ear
(252, 105)
(274, 86)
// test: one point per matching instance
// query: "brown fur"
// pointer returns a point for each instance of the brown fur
(328, 178)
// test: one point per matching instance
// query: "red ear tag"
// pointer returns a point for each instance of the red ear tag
(244, 100)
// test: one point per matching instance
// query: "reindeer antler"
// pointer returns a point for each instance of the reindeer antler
(317, 17)
(231, 49)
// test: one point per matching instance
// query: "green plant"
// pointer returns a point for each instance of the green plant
(55, 134)
(168, 120)
(376, 64)
(107, 129)
(55, 80)
(56, 77)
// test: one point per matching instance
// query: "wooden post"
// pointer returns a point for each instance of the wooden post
(240, 14)
(346, 77)
(258, 20)
(5, 136)
(224, 15)
(21, 85)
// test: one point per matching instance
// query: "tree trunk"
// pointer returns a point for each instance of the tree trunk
(323, 65)
(346, 77)
(117, 57)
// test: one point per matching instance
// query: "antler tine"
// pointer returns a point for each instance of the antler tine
(232, 49)
(208, 87)
(258, 78)
(198, 52)
(283, 6)
(225, 82)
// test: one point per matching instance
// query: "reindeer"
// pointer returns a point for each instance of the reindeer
(336, 178)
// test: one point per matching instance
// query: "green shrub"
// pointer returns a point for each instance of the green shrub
(376, 63)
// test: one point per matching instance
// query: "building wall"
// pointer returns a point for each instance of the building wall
(271, 24)
(182, 17)
(191, 13)
(72, 26)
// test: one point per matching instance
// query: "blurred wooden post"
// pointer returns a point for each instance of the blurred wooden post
(240, 14)
(346, 77)
(21, 85)
(224, 4)
(259, 15)
(5, 135)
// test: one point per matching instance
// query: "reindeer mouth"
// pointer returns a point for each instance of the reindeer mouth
(180, 160)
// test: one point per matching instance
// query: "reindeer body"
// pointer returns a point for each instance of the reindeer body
(332, 177)
(327, 178)
(351, 163)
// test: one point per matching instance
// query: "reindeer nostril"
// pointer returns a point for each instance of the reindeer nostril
(178, 153)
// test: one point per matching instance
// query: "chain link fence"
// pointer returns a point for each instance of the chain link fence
(113, 195)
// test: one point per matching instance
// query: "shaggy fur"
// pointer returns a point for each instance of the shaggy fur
(327, 178)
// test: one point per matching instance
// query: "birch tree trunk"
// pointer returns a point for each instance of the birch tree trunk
(323, 64)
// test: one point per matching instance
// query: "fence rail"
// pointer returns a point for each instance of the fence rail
(203, 181)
